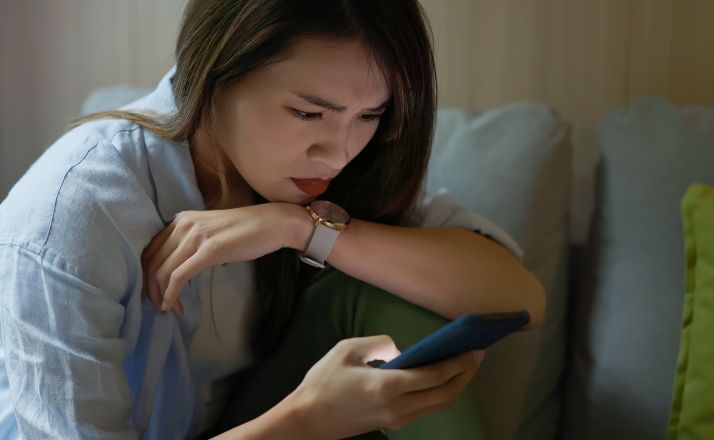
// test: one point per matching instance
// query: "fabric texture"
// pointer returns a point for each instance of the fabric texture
(692, 405)
(627, 309)
(81, 353)
(220, 345)
(513, 164)
(336, 306)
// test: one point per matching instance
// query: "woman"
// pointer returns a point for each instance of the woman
(211, 182)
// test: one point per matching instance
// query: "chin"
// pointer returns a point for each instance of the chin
(297, 197)
(300, 200)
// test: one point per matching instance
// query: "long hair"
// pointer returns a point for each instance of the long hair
(220, 41)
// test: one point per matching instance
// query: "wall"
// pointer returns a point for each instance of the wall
(53, 52)
(585, 57)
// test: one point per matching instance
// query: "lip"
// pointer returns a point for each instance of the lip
(314, 187)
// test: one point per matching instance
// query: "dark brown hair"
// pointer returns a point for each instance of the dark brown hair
(220, 41)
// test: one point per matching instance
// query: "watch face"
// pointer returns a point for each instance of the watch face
(330, 212)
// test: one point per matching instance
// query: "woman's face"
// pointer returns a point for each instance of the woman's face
(304, 117)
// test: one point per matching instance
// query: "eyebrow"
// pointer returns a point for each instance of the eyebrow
(316, 100)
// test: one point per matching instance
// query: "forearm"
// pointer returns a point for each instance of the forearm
(285, 420)
(450, 271)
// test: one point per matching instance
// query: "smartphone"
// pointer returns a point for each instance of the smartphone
(468, 332)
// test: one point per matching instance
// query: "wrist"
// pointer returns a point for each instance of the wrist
(298, 227)
(297, 413)
(288, 419)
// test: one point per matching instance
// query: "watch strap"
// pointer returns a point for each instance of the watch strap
(321, 243)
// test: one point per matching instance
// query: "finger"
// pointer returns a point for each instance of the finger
(412, 416)
(148, 263)
(156, 243)
(163, 273)
(158, 239)
(439, 395)
(180, 276)
(368, 348)
(167, 248)
(414, 405)
(478, 357)
(437, 374)
(178, 308)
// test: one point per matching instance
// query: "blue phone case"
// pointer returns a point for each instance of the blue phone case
(469, 332)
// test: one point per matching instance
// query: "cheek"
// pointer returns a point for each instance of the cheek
(362, 135)
(264, 136)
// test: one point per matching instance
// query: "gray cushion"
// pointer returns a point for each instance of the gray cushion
(627, 313)
(513, 165)
(111, 98)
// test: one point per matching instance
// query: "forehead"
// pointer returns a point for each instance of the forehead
(341, 70)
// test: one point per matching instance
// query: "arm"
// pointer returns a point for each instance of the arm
(63, 355)
(449, 270)
(284, 420)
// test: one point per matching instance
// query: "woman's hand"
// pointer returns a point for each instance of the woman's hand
(341, 396)
(196, 240)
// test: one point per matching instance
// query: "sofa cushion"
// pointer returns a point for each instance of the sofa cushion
(513, 165)
(627, 311)
(692, 405)
(111, 98)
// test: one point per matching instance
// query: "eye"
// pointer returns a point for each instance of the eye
(306, 116)
(371, 118)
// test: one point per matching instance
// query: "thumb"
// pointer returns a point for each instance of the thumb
(478, 356)
(368, 348)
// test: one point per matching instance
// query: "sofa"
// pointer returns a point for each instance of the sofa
(603, 363)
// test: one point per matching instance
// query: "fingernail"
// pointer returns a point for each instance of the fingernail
(164, 306)
(476, 356)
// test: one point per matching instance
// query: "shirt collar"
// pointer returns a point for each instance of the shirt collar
(170, 162)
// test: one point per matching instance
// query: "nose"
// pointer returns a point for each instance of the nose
(332, 150)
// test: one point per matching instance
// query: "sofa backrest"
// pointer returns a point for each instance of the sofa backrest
(627, 307)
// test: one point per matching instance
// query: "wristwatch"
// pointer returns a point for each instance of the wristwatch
(330, 220)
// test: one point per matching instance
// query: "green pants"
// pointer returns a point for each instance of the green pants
(335, 307)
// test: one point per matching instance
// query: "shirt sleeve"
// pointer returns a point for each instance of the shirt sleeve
(439, 211)
(62, 352)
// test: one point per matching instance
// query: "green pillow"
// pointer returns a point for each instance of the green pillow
(692, 411)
